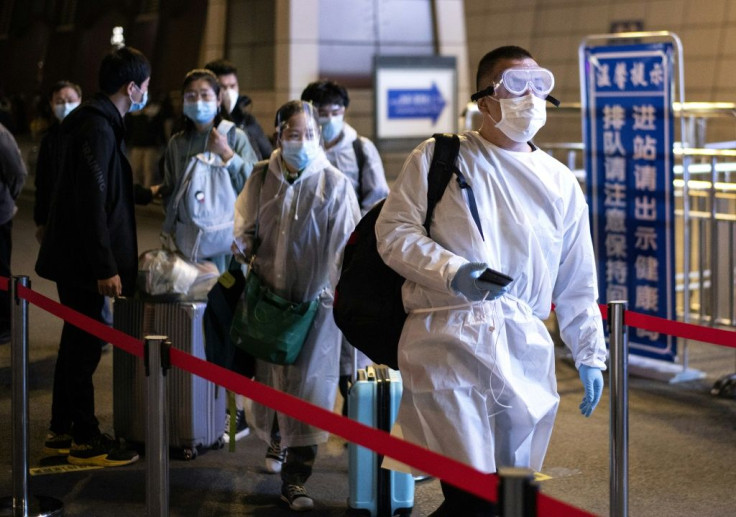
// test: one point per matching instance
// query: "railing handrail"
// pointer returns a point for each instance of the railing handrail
(688, 109)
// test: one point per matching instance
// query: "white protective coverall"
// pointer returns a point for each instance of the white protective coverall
(479, 380)
(303, 228)
(342, 155)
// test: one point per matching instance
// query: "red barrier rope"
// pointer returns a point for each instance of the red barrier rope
(710, 335)
(469, 479)
(479, 483)
(109, 335)
(474, 481)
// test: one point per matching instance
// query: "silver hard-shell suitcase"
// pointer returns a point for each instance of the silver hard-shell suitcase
(195, 406)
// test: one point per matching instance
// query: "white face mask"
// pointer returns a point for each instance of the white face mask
(230, 99)
(62, 110)
(521, 117)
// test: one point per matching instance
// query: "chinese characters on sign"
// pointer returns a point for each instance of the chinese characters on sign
(628, 129)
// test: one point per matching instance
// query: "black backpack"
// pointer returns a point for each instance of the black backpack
(368, 307)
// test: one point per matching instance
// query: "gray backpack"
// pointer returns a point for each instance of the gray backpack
(199, 219)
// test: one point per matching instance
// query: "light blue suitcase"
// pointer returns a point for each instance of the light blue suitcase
(374, 400)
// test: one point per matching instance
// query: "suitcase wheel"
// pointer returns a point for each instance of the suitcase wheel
(189, 454)
(219, 444)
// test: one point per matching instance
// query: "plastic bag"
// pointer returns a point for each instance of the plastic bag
(168, 275)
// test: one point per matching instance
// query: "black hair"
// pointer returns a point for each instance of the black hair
(221, 67)
(122, 66)
(287, 111)
(488, 63)
(201, 73)
(60, 85)
(325, 92)
(211, 78)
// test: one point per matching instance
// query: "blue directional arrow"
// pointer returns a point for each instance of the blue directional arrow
(416, 103)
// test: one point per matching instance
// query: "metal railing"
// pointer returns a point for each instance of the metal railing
(711, 219)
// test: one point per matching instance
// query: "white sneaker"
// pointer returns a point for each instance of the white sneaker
(275, 456)
(241, 426)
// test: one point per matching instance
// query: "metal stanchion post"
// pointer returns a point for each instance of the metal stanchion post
(20, 504)
(517, 492)
(156, 360)
(619, 374)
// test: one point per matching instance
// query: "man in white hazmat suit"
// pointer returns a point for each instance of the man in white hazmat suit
(306, 210)
(476, 359)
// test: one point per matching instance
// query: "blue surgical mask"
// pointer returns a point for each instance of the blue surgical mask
(299, 154)
(201, 112)
(331, 127)
(62, 110)
(135, 106)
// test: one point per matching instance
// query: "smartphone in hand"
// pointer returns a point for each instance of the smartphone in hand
(495, 277)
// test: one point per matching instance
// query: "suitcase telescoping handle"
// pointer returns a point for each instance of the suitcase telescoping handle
(383, 405)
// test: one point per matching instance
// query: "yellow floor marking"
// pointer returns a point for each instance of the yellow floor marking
(60, 469)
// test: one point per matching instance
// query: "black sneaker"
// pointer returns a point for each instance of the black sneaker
(101, 451)
(57, 444)
(275, 456)
(241, 426)
(297, 498)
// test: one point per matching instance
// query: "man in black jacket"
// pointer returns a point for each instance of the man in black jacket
(89, 249)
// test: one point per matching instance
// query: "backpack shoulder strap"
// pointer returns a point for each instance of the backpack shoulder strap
(172, 211)
(262, 169)
(446, 149)
(360, 158)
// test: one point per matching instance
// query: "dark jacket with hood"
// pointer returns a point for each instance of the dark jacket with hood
(248, 123)
(91, 232)
(50, 157)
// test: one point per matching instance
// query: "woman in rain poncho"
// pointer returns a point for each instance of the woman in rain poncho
(306, 210)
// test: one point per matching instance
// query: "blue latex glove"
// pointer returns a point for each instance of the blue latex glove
(592, 379)
(466, 282)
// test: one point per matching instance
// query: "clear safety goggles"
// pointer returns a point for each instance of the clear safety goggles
(517, 81)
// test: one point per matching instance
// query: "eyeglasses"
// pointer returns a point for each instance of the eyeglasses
(516, 81)
(205, 95)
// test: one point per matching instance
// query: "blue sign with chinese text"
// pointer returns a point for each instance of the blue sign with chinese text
(629, 126)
